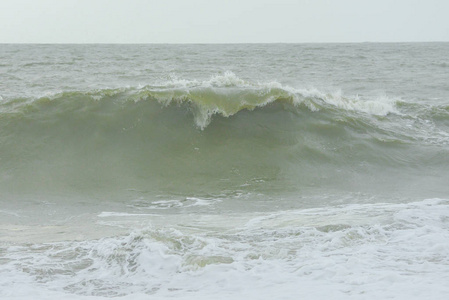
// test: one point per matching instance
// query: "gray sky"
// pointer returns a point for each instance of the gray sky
(224, 21)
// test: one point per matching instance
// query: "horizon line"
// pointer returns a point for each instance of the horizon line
(212, 43)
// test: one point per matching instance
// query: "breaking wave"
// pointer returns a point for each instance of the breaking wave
(257, 136)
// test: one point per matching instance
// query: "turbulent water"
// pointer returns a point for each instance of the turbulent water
(274, 171)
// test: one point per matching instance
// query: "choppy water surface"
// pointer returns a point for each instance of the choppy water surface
(224, 171)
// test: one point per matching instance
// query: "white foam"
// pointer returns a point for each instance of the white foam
(380, 106)
(369, 251)
(107, 214)
(185, 203)
(228, 79)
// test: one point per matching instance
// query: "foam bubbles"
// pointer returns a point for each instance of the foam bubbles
(371, 251)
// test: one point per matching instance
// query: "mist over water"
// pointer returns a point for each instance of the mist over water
(192, 171)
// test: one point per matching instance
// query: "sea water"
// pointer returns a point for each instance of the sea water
(261, 171)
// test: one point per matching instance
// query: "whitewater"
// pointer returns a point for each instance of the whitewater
(262, 171)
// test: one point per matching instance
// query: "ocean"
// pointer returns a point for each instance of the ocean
(234, 171)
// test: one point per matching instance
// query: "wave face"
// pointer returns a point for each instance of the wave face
(221, 136)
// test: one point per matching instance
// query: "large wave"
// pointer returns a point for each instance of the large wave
(223, 134)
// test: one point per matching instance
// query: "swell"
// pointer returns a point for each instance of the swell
(217, 137)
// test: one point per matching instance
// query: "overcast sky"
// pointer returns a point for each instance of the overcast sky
(224, 21)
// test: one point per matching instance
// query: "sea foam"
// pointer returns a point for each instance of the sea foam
(367, 251)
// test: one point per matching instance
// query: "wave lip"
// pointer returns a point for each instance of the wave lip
(228, 94)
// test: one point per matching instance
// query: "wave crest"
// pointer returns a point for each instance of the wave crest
(223, 95)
